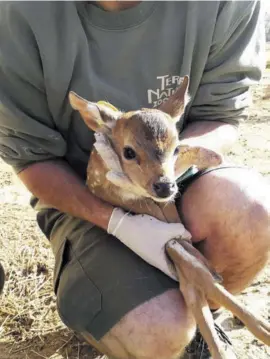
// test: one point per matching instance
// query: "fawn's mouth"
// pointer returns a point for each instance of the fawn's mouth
(154, 197)
(167, 199)
(170, 197)
(158, 194)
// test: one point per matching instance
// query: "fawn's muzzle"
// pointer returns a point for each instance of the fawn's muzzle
(164, 189)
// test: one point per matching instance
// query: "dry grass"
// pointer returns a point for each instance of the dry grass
(28, 308)
(29, 324)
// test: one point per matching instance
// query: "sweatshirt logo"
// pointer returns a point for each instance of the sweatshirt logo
(167, 86)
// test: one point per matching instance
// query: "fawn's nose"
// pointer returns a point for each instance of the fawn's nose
(164, 189)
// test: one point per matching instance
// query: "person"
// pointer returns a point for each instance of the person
(133, 54)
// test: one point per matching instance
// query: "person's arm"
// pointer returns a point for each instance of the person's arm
(57, 185)
(236, 61)
(215, 135)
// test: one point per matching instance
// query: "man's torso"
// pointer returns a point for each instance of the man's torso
(132, 59)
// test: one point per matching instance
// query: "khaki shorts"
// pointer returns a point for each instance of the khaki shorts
(97, 279)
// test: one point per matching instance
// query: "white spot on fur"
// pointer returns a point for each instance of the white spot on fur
(128, 196)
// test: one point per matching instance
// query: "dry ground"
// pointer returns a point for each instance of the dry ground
(29, 324)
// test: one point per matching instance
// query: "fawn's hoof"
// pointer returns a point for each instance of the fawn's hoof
(198, 348)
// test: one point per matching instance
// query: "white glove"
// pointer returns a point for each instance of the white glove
(147, 237)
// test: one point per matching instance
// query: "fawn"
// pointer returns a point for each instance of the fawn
(147, 146)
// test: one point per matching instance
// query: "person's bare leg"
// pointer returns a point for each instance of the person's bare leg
(160, 328)
(229, 209)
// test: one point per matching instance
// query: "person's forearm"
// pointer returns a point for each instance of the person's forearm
(217, 136)
(55, 183)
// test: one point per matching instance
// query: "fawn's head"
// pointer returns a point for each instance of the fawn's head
(146, 140)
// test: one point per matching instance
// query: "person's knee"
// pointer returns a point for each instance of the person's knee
(230, 210)
(160, 328)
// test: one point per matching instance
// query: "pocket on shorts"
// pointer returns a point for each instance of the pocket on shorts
(78, 299)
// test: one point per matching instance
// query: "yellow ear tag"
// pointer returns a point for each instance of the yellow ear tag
(104, 103)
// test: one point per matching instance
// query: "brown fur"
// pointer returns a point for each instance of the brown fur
(152, 134)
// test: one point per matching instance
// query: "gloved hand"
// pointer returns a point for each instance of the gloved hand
(147, 236)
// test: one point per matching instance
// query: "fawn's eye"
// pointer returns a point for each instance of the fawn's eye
(129, 153)
(176, 151)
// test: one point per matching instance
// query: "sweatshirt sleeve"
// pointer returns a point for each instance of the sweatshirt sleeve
(27, 130)
(236, 61)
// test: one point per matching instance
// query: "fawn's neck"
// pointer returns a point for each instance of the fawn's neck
(116, 196)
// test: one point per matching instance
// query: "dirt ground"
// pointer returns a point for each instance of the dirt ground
(29, 325)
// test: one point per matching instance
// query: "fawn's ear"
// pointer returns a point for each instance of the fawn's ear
(176, 103)
(199, 156)
(99, 117)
